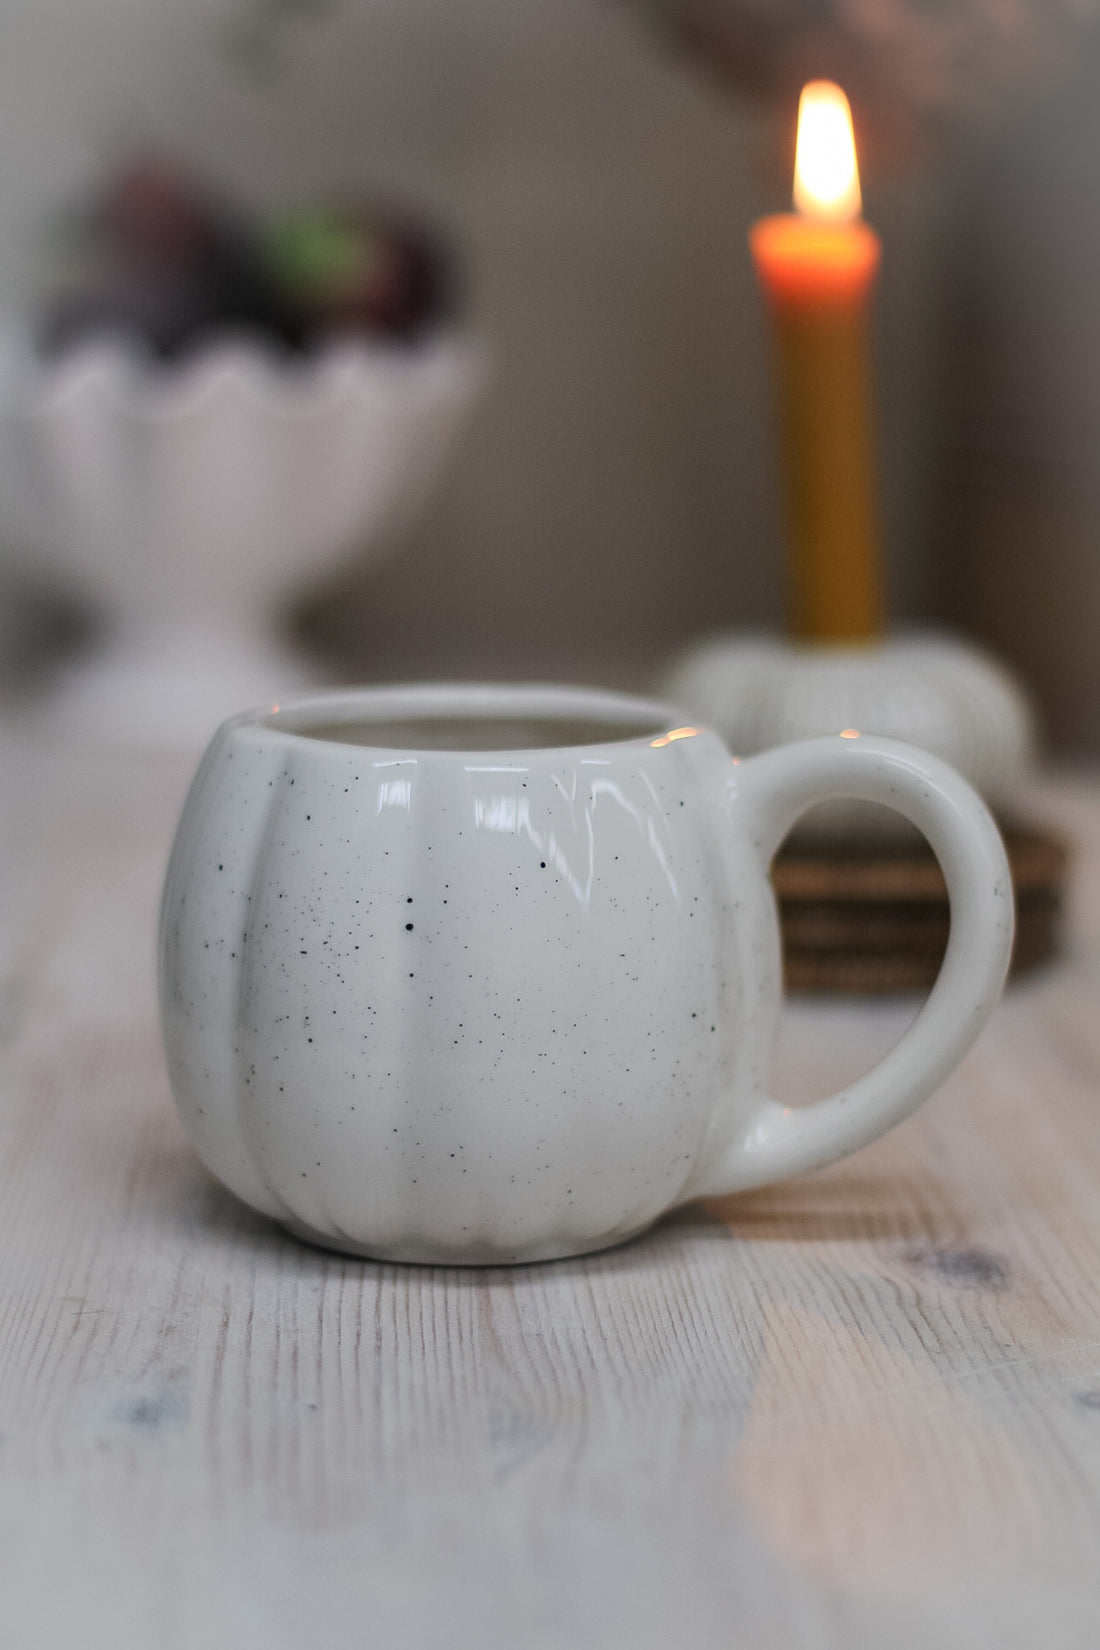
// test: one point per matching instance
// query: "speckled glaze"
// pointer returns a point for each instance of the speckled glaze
(504, 1005)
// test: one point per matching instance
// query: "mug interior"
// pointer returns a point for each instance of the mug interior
(471, 719)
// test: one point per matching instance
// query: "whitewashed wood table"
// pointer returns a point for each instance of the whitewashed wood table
(860, 1409)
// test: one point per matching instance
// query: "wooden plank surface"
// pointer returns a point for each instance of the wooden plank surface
(859, 1409)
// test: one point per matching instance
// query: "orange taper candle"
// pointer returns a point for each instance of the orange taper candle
(817, 267)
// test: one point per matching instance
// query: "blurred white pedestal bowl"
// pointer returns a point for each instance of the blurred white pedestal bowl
(188, 504)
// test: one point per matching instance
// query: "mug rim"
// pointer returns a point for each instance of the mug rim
(649, 720)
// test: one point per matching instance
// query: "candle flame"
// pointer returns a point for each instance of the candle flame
(826, 177)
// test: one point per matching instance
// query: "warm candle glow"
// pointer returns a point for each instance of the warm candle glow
(817, 267)
(826, 177)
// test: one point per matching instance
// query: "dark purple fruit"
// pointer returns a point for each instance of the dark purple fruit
(161, 258)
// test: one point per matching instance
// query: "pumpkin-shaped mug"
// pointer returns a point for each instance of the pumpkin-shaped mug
(489, 974)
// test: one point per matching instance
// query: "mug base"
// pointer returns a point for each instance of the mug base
(425, 1253)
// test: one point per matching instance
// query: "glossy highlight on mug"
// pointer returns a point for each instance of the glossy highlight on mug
(673, 734)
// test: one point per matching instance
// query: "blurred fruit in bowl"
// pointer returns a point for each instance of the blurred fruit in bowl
(161, 256)
(210, 414)
(352, 268)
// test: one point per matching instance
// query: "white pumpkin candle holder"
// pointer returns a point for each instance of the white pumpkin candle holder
(188, 504)
(931, 690)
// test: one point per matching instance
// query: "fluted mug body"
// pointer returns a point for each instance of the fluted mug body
(483, 974)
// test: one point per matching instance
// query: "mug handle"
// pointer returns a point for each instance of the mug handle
(769, 793)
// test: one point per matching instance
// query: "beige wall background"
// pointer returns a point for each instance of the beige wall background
(1020, 499)
(616, 492)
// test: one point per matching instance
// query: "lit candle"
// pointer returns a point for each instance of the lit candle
(817, 267)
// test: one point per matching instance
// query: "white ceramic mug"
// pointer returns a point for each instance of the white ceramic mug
(491, 974)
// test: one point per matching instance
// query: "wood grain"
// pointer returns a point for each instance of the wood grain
(862, 1408)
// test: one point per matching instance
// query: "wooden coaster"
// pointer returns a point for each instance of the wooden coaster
(875, 919)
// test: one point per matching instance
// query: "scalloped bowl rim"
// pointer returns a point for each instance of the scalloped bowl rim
(120, 369)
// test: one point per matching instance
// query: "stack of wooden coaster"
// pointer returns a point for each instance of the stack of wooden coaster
(863, 918)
